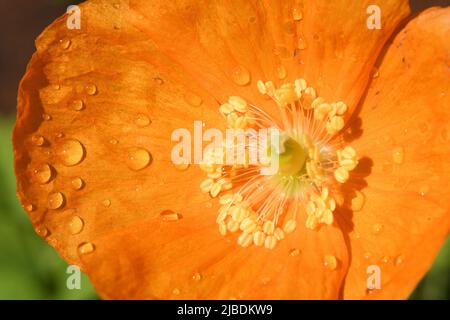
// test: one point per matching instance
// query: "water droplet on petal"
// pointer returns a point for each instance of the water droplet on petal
(399, 260)
(43, 174)
(377, 228)
(169, 215)
(55, 200)
(398, 155)
(176, 291)
(193, 99)
(75, 224)
(106, 202)
(183, 165)
(358, 201)
(46, 117)
(86, 247)
(330, 262)
(65, 43)
(301, 43)
(158, 80)
(42, 231)
(29, 207)
(423, 190)
(240, 76)
(142, 120)
(77, 183)
(113, 141)
(367, 255)
(91, 89)
(77, 105)
(138, 159)
(71, 152)
(294, 252)
(197, 276)
(38, 140)
(297, 13)
(385, 259)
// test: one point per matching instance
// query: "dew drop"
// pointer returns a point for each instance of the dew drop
(375, 73)
(38, 140)
(398, 155)
(91, 89)
(113, 141)
(385, 259)
(106, 202)
(42, 231)
(196, 276)
(182, 166)
(176, 291)
(77, 183)
(55, 200)
(86, 247)
(367, 255)
(65, 43)
(281, 72)
(193, 99)
(46, 117)
(169, 215)
(301, 43)
(240, 76)
(77, 105)
(297, 13)
(399, 260)
(377, 228)
(71, 152)
(142, 120)
(358, 201)
(75, 225)
(59, 135)
(294, 252)
(158, 80)
(423, 190)
(43, 174)
(138, 159)
(330, 262)
(29, 207)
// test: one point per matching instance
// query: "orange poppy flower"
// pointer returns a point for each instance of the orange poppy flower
(363, 173)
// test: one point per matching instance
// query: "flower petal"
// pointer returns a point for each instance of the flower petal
(97, 179)
(213, 39)
(404, 141)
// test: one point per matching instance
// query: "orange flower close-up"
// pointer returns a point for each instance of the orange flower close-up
(357, 90)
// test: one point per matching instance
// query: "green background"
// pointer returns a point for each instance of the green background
(31, 269)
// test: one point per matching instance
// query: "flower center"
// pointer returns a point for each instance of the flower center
(263, 208)
(292, 158)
